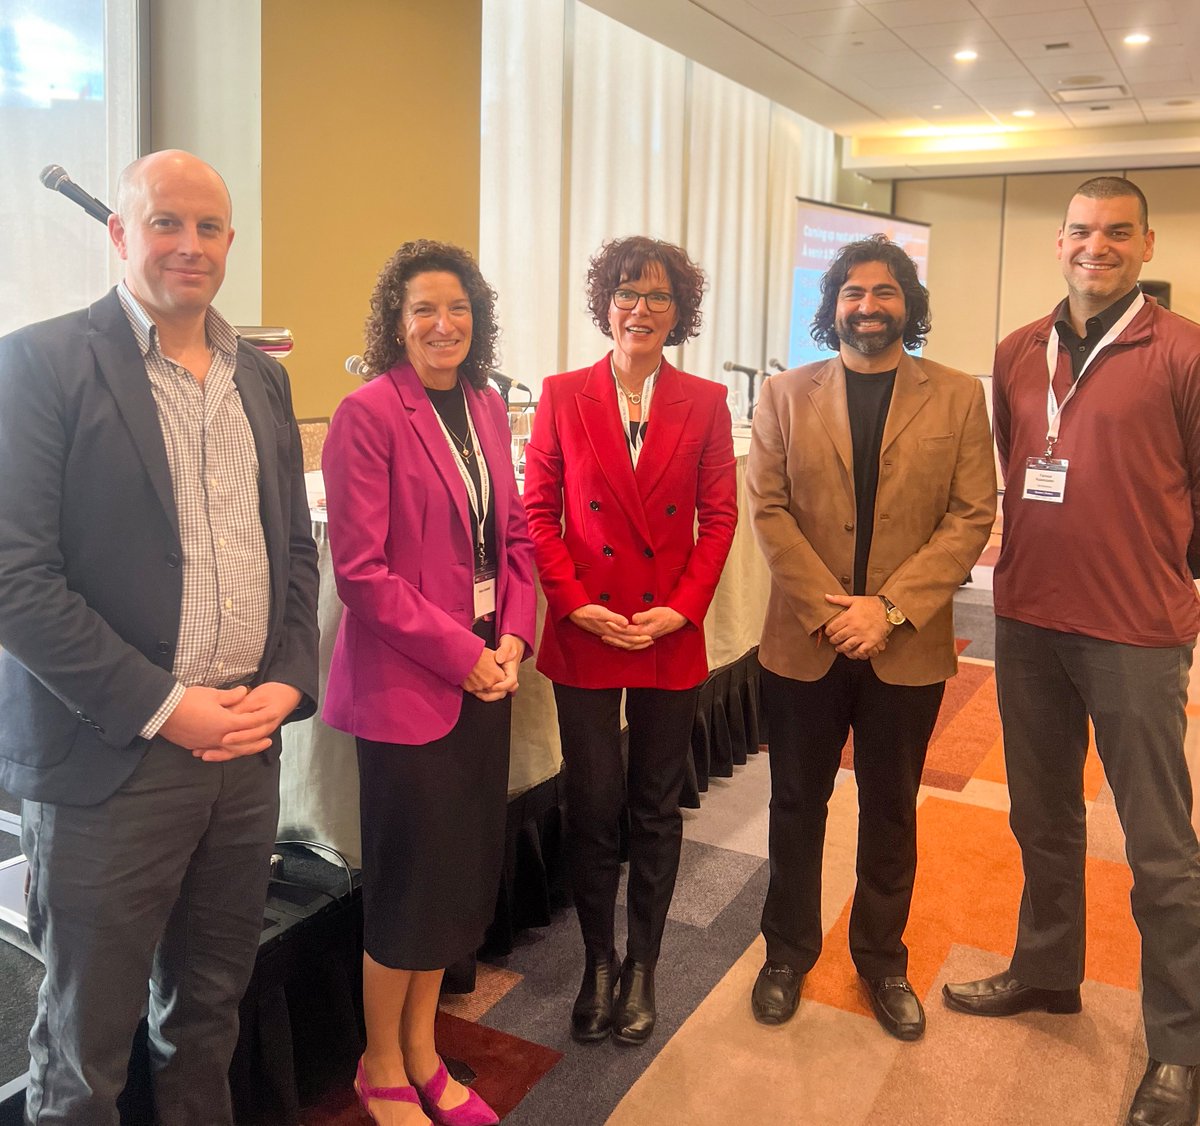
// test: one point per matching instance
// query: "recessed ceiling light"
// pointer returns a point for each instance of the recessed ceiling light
(938, 105)
(1137, 39)
(1023, 113)
(1179, 101)
(966, 55)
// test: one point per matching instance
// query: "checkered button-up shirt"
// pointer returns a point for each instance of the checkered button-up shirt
(214, 477)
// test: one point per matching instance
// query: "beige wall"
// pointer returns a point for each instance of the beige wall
(370, 136)
(992, 265)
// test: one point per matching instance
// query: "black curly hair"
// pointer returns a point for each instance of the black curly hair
(383, 349)
(877, 248)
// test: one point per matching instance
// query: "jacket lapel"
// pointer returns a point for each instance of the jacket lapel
(828, 398)
(123, 369)
(423, 419)
(671, 408)
(252, 391)
(601, 418)
(909, 394)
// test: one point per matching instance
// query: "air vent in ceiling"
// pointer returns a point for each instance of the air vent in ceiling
(1080, 94)
(1064, 46)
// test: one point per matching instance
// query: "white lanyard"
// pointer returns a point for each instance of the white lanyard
(485, 481)
(635, 444)
(1054, 408)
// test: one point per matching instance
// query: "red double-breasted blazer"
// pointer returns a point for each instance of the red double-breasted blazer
(629, 539)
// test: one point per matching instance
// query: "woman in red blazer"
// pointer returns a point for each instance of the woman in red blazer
(632, 500)
(435, 567)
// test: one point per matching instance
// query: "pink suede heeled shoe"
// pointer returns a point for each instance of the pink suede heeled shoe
(473, 1112)
(366, 1092)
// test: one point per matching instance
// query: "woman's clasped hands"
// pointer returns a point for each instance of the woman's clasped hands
(638, 632)
(495, 673)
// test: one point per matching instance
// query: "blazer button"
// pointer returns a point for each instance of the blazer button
(885, 516)
(605, 596)
(607, 550)
(649, 553)
(163, 647)
(172, 559)
(845, 580)
(671, 510)
(647, 597)
(594, 505)
(848, 526)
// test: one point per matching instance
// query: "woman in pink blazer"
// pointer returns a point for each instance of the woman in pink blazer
(631, 490)
(433, 562)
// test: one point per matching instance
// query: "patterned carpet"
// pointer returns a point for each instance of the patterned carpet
(709, 1062)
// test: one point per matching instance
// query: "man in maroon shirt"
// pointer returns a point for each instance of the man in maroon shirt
(1097, 418)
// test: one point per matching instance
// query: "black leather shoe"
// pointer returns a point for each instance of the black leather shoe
(897, 1008)
(1001, 995)
(1168, 1095)
(634, 1016)
(591, 1015)
(776, 993)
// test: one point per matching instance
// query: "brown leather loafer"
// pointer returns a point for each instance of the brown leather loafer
(776, 993)
(1002, 995)
(897, 1008)
(1168, 1095)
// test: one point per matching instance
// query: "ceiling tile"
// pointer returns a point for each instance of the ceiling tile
(1081, 43)
(913, 13)
(995, 8)
(1053, 23)
(851, 46)
(838, 21)
(1121, 113)
(1130, 16)
(1164, 88)
(955, 34)
(786, 7)
(991, 65)
(1100, 64)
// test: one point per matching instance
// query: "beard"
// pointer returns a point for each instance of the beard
(869, 343)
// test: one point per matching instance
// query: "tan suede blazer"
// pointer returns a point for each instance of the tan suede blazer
(934, 510)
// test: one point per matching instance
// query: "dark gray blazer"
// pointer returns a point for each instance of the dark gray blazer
(90, 576)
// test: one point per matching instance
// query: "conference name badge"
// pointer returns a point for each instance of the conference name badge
(485, 592)
(1045, 479)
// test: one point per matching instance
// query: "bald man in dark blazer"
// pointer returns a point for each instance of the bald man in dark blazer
(158, 593)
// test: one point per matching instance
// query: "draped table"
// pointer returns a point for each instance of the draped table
(319, 778)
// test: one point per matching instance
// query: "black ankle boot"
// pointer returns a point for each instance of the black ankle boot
(635, 1014)
(592, 1013)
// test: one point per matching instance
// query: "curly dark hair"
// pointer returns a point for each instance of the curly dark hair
(384, 350)
(877, 248)
(624, 259)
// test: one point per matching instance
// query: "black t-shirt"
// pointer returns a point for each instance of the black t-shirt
(452, 406)
(868, 397)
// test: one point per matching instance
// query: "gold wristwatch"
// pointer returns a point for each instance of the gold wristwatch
(892, 612)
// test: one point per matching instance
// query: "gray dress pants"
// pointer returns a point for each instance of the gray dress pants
(162, 883)
(1049, 684)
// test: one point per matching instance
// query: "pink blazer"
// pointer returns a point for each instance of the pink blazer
(400, 535)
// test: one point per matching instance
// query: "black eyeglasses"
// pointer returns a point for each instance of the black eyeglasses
(656, 301)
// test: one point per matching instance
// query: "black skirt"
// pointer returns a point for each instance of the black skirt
(433, 820)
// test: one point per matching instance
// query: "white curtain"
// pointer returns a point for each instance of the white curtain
(649, 143)
(521, 179)
(727, 225)
(627, 146)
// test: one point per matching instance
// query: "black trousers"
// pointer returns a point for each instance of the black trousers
(809, 721)
(1049, 684)
(599, 786)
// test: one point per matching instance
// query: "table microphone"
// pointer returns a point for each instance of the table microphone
(356, 365)
(55, 177)
(731, 366)
(774, 363)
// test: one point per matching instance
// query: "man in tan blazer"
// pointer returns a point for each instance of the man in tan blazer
(872, 492)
